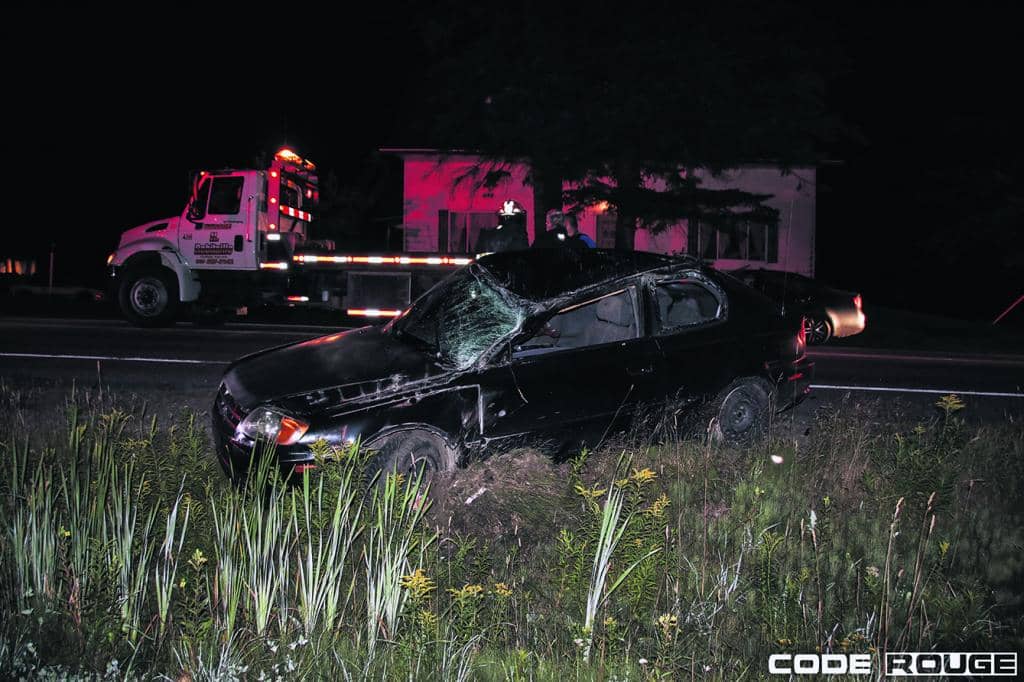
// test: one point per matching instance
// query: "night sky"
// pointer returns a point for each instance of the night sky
(106, 122)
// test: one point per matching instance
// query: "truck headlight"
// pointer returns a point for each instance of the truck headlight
(271, 425)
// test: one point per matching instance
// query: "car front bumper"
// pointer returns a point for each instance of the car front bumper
(236, 456)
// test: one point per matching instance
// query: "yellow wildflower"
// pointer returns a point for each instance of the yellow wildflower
(197, 560)
(642, 476)
(428, 618)
(667, 622)
(590, 494)
(418, 583)
(466, 591)
(943, 548)
(950, 403)
(502, 590)
(658, 507)
(610, 622)
(621, 482)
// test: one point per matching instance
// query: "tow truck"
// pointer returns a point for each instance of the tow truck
(242, 240)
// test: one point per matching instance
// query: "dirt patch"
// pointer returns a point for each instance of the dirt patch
(515, 497)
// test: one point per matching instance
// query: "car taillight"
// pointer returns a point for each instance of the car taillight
(801, 338)
(857, 302)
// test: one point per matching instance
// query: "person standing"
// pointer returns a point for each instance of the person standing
(555, 235)
(510, 232)
(572, 231)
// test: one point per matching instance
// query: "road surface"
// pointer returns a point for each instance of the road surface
(188, 361)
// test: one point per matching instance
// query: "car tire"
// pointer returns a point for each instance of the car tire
(404, 453)
(742, 412)
(149, 297)
(817, 328)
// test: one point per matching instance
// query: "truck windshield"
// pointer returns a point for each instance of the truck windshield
(462, 317)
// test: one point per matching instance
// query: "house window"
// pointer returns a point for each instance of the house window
(463, 230)
(606, 230)
(743, 241)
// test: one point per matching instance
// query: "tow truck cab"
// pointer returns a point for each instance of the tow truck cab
(243, 239)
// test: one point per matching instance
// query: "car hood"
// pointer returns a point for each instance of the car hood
(328, 370)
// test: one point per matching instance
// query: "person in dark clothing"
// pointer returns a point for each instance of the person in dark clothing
(510, 232)
(555, 235)
(572, 231)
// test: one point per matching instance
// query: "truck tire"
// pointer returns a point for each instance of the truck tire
(149, 297)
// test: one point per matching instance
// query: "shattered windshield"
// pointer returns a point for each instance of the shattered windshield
(462, 317)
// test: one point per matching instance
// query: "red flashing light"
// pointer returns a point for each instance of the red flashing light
(273, 200)
(272, 226)
(273, 174)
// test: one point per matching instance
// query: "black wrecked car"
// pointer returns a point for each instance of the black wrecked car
(827, 312)
(555, 345)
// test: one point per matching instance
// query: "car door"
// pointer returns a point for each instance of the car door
(218, 230)
(582, 371)
(689, 320)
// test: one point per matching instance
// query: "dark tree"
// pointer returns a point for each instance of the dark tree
(605, 100)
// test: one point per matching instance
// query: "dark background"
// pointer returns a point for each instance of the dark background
(922, 207)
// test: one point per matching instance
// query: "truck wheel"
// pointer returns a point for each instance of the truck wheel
(149, 298)
(742, 412)
(406, 453)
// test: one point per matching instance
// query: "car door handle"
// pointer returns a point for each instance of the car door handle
(639, 371)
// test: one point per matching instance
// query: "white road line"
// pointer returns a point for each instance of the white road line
(908, 357)
(937, 391)
(179, 361)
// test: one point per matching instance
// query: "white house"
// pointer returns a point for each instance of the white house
(445, 207)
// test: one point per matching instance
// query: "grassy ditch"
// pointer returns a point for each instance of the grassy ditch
(124, 553)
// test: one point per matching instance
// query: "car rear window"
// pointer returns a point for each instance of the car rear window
(686, 303)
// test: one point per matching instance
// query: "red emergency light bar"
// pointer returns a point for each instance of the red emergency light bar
(383, 260)
(372, 312)
(296, 213)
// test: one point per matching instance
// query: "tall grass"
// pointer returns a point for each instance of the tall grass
(124, 552)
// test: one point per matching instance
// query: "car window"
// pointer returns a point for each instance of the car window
(608, 319)
(686, 303)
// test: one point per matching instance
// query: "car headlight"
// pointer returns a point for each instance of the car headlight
(271, 425)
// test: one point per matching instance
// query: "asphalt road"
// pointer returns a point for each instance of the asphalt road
(188, 361)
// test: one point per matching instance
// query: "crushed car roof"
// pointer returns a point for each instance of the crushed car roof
(540, 274)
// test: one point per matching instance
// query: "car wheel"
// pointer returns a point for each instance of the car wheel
(149, 298)
(407, 453)
(817, 329)
(742, 412)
